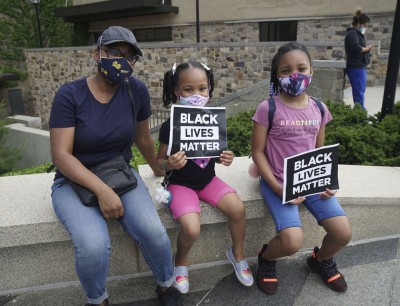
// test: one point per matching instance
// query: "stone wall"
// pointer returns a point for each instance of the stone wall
(318, 29)
(232, 50)
(236, 66)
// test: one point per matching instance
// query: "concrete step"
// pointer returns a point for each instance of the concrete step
(35, 249)
(369, 266)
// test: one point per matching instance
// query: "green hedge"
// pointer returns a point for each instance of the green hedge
(363, 139)
(8, 156)
(135, 162)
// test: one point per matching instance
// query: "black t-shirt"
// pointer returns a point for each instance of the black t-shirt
(192, 175)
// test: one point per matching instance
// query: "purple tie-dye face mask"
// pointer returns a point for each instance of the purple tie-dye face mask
(194, 100)
(295, 84)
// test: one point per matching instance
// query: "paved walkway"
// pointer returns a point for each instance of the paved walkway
(371, 269)
(373, 98)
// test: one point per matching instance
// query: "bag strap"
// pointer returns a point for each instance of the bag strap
(319, 104)
(128, 89)
(271, 112)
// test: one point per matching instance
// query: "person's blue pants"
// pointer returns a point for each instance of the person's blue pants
(358, 81)
(90, 237)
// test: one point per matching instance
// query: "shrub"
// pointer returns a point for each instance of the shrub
(135, 162)
(239, 132)
(8, 156)
(364, 140)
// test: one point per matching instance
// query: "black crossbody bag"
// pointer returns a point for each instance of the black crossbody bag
(114, 172)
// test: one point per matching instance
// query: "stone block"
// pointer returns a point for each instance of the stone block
(36, 250)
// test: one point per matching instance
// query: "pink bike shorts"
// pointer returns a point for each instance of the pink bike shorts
(186, 200)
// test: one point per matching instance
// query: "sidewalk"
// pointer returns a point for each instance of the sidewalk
(371, 268)
(373, 98)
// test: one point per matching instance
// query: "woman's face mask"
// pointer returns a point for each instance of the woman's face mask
(194, 100)
(115, 70)
(295, 84)
(363, 30)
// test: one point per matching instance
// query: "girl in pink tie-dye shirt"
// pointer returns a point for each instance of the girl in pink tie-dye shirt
(298, 125)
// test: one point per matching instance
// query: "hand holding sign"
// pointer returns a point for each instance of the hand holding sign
(328, 193)
(226, 158)
(297, 201)
(311, 172)
(199, 131)
(177, 161)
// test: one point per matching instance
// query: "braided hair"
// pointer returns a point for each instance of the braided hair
(171, 79)
(274, 88)
(360, 17)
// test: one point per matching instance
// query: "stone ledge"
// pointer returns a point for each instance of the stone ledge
(36, 250)
(26, 202)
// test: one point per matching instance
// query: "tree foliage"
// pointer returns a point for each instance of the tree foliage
(19, 30)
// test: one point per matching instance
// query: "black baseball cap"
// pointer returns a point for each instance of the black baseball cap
(116, 34)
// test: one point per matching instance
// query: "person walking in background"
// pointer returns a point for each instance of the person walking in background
(192, 180)
(92, 121)
(291, 73)
(358, 56)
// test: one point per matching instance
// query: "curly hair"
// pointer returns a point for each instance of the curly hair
(171, 79)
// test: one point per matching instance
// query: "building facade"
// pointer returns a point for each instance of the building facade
(237, 39)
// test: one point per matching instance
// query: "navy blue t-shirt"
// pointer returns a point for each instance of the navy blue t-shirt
(102, 131)
(191, 176)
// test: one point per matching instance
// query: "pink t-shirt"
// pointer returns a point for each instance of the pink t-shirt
(293, 131)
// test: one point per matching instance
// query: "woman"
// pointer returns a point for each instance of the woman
(358, 56)
(92, 121)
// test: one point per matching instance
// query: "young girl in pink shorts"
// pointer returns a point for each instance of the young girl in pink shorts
(192, 180)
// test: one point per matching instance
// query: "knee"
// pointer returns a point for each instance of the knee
(238, 212)
(291, 247)
(339, 231)
(291, 244)
(91, 246)
(191, 232)
(344, 238)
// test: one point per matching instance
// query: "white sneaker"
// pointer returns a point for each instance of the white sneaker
(181, 281)
(242, 270)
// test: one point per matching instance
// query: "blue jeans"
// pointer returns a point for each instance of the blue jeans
(358, 80)
(91, 240)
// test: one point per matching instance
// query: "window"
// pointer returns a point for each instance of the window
(153, 34)
(278, 31)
